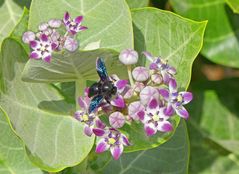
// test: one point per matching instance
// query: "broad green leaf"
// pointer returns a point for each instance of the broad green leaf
(154, 31)
(216, 112)
(39, 114)
(208, 157)
(12, 153)
(10, 11)
(171, 157)
(108, 21)
(221, 38)
(73, 67)
(137, 3)
(234, 4)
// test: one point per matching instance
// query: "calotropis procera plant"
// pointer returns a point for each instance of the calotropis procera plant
(54, 36)
(39, 103)
(151, 98)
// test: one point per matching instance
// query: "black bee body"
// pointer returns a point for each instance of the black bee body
(104, 89)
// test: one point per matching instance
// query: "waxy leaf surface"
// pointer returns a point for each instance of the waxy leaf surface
(39, 115)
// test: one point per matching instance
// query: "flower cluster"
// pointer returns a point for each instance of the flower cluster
(54, 36)
(150, 96)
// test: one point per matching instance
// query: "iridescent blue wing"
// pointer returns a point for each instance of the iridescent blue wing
(95, 102)
(101, 69)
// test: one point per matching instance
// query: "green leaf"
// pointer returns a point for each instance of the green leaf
(12, 153)
(137, 3)
(10, 11)
(171, 157)
(108, 22)
(209, 157)
(221, 38)
(234, 4)
(154, 31)
(72, 67)
(54, 140)
(216, 113)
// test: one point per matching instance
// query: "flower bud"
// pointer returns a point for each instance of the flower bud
(128, 57)
(140, 74)
(147, 94)
(54, 23)
(117, 120)
(28, 37)
(71, 44)
(43, 26)
(156, 78)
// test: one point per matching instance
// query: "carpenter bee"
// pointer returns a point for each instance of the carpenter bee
(103, 89)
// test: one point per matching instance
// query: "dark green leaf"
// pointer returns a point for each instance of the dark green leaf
(221, 38)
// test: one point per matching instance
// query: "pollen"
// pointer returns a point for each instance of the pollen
(180, 98)
(156, 118)
(85, 117)
(73, 23)
(111, 141)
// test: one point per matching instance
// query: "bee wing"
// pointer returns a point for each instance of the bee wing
(101, 69)
(95, 102)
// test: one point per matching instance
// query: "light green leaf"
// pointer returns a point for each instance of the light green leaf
(208, 157)
(108, 21)
(12, 153)
(72, 67)
(10, 11)
(154, 31)
(170, 36)
(234, 4)
(39, 114)
(221, 38)
(216, 113)
(137, 3)
(171, 157)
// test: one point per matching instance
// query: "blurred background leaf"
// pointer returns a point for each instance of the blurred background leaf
(234, 4)
(221, 43)
(213, 127)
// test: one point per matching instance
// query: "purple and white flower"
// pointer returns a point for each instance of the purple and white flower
(73, 25)
(124, 90)
(154, 119)
(111, 139)
(160, 65)
(176, 99)
(90, 120)
(42, 48)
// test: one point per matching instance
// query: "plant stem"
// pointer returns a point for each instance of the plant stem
(130, 75)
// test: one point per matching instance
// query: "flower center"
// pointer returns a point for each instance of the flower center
(156, 118)
(111, 141)
(43, 48)
(180, 98)
(73, 23)
(85, 117)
